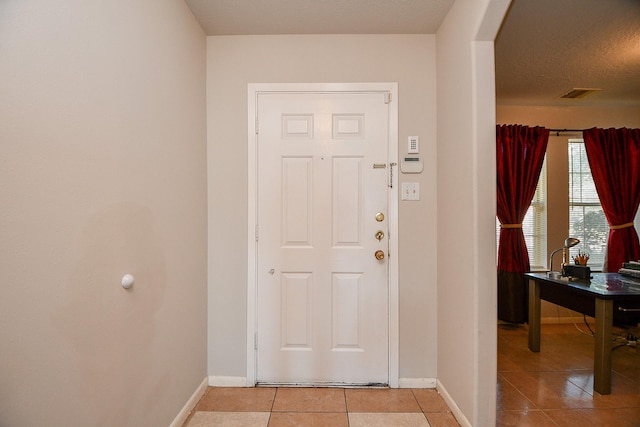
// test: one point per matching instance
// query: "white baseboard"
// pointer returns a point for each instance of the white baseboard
(216, 381)
(191, 403)
(462, 420)
(417, 383)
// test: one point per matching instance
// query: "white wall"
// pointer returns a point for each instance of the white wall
(102, 173)
(565, 117)
(235, 61)
(467, 296)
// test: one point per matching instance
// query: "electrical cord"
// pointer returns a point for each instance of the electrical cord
(591, 334)
(628, 340)
(584, 316)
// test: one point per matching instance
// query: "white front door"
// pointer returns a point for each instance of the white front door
(322, 214)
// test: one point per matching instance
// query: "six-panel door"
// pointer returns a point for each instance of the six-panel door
(322, 292)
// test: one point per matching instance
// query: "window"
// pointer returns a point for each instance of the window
(587, 221)
(586, 217)
(534, 225)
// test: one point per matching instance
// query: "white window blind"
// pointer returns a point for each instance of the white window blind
(586, 217)
(534, 225)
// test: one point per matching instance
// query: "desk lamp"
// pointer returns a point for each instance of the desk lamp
(568, 243)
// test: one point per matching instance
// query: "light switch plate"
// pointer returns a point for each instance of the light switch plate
(410, 191)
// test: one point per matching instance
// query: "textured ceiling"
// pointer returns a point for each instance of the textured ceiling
(547, 47)
(544, 49)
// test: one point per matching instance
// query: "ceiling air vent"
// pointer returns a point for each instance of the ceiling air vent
(577, 93)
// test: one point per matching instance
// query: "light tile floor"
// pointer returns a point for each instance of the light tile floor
(551, 388)
(320, 407)
(555, 386)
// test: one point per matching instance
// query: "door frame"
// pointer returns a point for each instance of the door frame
(253, 90)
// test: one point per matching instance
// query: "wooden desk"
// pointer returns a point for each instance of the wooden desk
(604, 297)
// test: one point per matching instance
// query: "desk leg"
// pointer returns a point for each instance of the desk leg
(602, 359)
(534, 316)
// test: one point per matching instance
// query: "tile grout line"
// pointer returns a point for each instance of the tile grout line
(520, 392)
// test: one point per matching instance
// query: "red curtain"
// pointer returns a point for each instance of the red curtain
(614, 158)
(520, 152)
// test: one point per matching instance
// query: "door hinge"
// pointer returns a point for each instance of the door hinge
(257, 232)
(387, 97)
(257, 126)
(255, 341)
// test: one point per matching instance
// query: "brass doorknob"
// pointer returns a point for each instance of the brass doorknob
(379, 217)
(379, 255)
(379, 235)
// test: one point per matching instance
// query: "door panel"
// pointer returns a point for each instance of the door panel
(297, 196)
(347, 288)
(347, 201)
(322, 296)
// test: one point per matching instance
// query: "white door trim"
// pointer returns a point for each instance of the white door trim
(252, 95)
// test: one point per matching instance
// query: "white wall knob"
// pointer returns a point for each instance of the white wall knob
(127, 281)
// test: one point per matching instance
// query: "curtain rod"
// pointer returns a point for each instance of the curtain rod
(559, 131)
